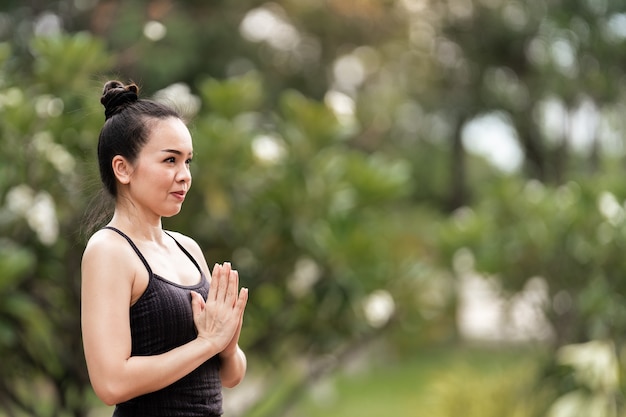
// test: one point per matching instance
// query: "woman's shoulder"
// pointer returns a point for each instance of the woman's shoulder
(106, 244)
(107, 254)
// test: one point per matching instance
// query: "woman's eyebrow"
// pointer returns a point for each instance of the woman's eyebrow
(174, 151)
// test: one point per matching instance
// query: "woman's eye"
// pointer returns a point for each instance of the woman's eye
(188, 161)
(171, 159)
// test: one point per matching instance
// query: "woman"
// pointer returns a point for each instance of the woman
(157, 342)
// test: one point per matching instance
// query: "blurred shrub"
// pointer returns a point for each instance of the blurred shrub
(487, 388)
(47, 129)
(594, 368)
(572, 236)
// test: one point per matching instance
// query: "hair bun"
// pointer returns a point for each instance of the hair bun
(116, 96)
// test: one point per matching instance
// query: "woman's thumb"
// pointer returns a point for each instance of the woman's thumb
(197, 303)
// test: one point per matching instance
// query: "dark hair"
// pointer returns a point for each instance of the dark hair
(126, 130)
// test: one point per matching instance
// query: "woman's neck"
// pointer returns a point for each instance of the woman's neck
(138, 226)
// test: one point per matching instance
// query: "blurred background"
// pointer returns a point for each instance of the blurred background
(426, 198)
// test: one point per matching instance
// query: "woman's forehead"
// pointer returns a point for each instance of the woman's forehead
(170, 133)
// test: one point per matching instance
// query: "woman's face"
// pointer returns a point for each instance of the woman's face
(161, 177)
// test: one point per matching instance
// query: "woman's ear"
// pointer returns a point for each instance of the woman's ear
(122, 169)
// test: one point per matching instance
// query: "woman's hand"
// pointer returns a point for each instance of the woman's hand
(219, 319)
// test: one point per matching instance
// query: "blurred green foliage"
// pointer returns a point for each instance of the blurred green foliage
(442, 382)
(571, 235)
(332, 166)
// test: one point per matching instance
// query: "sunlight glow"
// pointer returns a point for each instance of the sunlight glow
(55, 153)
(414, 6)
(180, 97)
(379, 307)
(484, 314)
(155, 31)
(268, 149)
(343, 106)
(264, 24)
(610, 208)
(48, 106)
(348, 72)
(48, 24)
(306, 273)
(38, 209)
(615, 29)
(564, 56)
(492, 137)
(11, 97)
(515, 15)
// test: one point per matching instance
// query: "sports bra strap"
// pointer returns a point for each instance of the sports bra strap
(186, 252)
(132, 244)
(143, 259)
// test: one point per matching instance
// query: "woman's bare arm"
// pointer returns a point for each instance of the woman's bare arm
(117, 376)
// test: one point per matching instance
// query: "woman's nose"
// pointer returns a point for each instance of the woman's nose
(184, 174)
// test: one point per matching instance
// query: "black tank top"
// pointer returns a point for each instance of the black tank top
(162, 320)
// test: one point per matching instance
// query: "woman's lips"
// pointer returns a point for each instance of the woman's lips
(179, 195)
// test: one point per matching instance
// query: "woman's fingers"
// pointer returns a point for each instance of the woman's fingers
(221, 316)
(220, 285)
(240, 305)
(224, 289)
(224, 284)
(215, 279)
(233, 286)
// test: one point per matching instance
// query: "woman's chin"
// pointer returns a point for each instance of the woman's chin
(171, 213)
